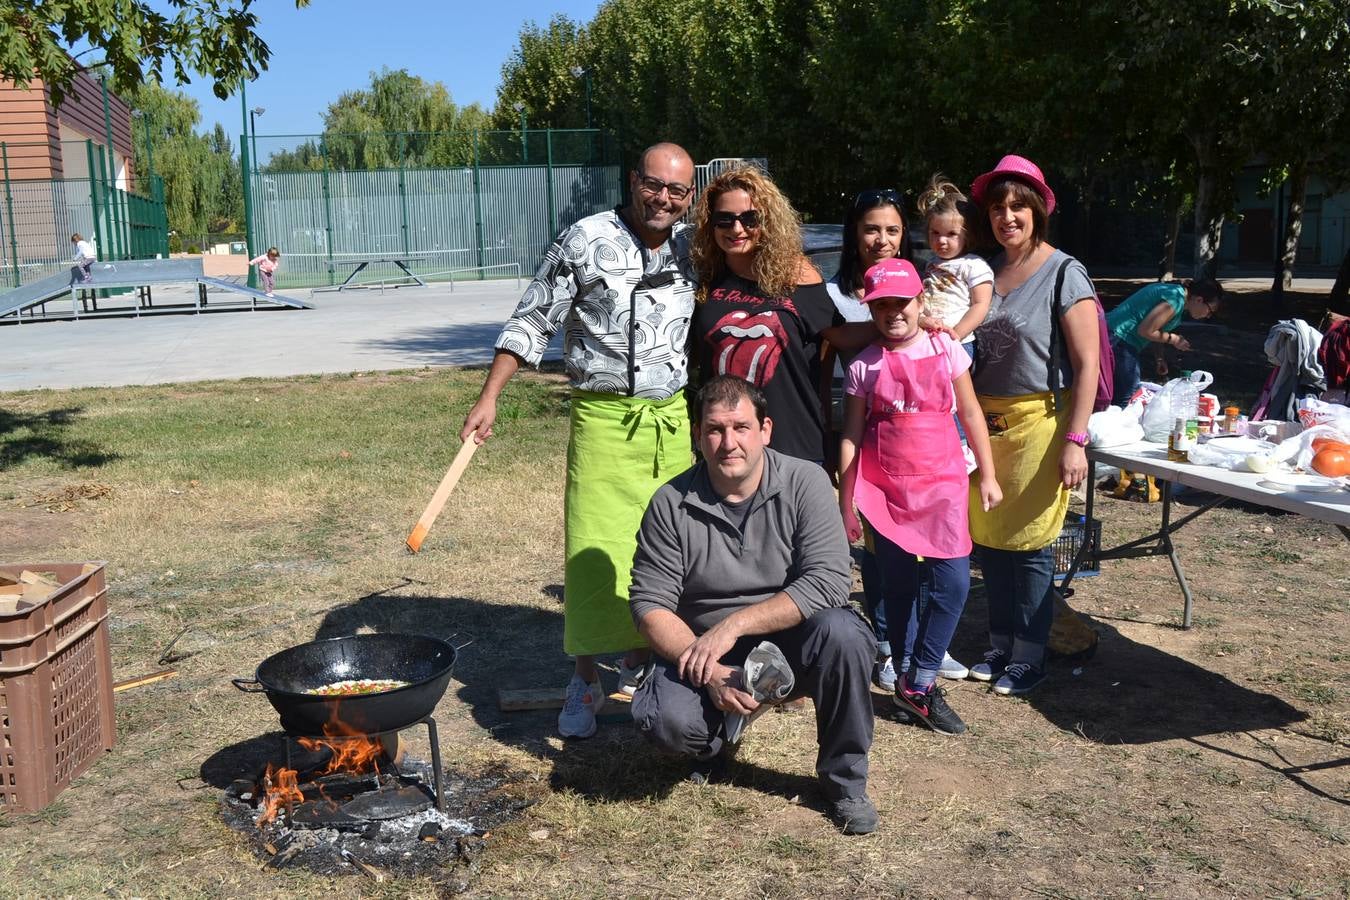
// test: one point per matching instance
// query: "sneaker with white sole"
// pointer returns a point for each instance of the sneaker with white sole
(631, 679)
(991, 667)
(577, 719)
(883, 674)
(952, 669)
(930, 708)
(1019, 678)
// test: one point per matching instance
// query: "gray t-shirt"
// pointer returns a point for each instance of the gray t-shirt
(1014, 339)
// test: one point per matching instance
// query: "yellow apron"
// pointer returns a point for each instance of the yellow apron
(1026, 438)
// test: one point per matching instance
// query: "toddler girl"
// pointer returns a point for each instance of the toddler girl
(267, 268)
(957, 286)
(901, 461)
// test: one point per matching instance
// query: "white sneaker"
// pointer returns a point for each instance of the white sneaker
(631, 679)
(577, 719)
(952, 669)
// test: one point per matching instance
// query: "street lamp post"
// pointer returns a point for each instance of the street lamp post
(519, 106)
(582, 72)
(253, 131)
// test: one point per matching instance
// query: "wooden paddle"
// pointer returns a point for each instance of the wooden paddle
(419, 532)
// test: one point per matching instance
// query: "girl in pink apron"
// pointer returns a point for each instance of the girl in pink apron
(902, 465)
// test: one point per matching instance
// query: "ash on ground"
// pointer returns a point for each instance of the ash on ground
(444, 845)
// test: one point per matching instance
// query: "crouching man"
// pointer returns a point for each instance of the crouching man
(748, 546)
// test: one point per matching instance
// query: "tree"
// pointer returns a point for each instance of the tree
(400, 119)
(202, 189)
(216, 38)
(539, 75)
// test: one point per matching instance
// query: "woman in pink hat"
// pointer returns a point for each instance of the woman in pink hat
(1036, 383)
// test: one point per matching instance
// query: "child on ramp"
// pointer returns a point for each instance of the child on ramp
(267, 268)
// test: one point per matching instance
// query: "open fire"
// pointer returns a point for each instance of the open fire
(346, 754)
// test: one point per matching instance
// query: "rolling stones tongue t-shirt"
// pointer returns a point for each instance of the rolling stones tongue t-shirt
(774, 343)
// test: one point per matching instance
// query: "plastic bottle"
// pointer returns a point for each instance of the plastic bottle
(1230, 419)
(1186, 398)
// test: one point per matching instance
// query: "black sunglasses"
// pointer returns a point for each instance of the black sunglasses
(749, 219)
(875, 197)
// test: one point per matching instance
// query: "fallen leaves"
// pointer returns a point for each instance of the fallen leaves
(68, 498)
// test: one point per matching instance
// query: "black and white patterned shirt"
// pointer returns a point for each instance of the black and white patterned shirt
(624, 309)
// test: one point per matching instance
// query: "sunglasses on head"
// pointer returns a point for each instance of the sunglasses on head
(749, 219)
(875, 197)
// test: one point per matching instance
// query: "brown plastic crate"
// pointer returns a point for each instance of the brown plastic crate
(56, 699)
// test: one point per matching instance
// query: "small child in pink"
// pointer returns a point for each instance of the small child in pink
(267, 268)
(901, 462)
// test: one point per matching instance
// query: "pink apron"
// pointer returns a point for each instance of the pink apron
(912, 484)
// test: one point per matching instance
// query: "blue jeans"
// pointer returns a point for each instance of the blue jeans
(1127, 372)
(1019, 586)
(928, 595)
(873, 603)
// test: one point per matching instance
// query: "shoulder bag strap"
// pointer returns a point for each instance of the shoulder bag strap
(1056, 336)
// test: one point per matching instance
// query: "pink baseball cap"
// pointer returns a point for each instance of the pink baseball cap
(1018, 167)
(891, 278)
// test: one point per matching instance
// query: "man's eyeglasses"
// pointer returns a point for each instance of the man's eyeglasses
(654, 187)
(724, 220)
(875, 197)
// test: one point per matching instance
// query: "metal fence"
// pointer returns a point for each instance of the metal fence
(498, 199)
(38, 217)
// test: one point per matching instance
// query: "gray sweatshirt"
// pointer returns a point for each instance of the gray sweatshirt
(694, 561)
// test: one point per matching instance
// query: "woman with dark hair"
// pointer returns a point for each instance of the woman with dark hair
(763, 313)
(874, 229)
(1036, 383)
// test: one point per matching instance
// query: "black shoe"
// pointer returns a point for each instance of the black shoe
(716, 769)
(931, 709)
(854, 815)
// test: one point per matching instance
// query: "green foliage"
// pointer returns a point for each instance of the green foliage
(203, 187)
(399, 120)
(216, 38)
(1148, 102)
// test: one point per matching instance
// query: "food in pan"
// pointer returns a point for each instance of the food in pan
(357, 686)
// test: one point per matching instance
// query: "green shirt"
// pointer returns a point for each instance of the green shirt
(1123, 321)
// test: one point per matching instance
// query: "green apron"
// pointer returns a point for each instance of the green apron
(621, 450)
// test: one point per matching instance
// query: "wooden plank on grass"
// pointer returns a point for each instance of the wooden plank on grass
(544, 698)
(144, 679)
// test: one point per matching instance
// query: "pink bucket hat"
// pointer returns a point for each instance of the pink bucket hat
(891, 278)
(1018, 167)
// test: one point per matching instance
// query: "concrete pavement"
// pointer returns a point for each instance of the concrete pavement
(351, 331)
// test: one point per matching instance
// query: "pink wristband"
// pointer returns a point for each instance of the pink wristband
(1077, 437)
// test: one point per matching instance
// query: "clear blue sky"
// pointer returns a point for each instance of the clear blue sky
(332, 46)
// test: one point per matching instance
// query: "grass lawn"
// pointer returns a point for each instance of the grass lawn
(260, 514)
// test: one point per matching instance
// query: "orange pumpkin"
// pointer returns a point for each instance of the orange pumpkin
(1332, 462)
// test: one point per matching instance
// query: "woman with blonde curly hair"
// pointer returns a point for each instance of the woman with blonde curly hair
(763, 311)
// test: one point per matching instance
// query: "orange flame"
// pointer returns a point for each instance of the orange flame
(282, 790)
(350, 752)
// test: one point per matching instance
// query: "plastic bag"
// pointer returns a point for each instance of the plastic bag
(1297, 451)
(1161, 412)
(1229, 453)
(1313, 412)
(1114, 426)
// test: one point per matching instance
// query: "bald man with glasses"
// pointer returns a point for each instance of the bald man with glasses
(619, 284)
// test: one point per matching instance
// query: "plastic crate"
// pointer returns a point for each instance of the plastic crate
(56, 698)
(1070, 539)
